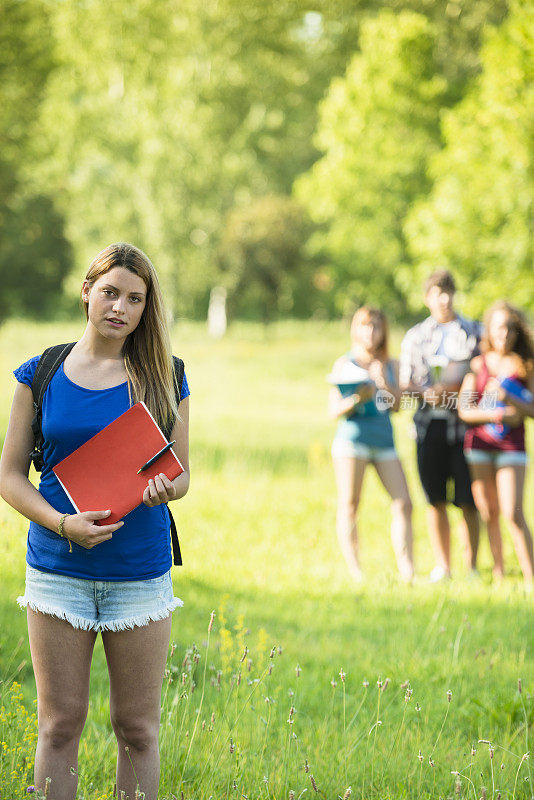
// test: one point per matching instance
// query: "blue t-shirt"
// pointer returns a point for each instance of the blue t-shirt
(367, 424)
(140, 549)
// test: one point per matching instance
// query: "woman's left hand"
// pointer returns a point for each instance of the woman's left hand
(159, 490)
(377, 373)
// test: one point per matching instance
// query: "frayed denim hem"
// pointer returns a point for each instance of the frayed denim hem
(141, 619)
(129, 623)
(72, 619)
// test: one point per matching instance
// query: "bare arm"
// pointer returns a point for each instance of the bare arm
(526, 409)
(339, 406)
(469, 412)
(19, 492)
(161, 489)
(379, 374)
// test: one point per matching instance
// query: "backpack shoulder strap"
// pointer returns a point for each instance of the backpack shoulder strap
(178, 365)
(46, 368)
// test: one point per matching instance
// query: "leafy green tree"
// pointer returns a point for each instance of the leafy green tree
(34, 255)
(34, 258)
(479, 219)
(170, 117)
(261, 258)
(378, 126)
(161, 117)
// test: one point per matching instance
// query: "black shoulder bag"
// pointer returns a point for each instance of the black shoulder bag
(47, 366)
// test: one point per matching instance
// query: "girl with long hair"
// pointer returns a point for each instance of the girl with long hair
(495, 398)
(83, 578)
(365, 436)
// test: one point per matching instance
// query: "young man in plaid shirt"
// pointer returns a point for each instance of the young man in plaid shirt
(435, 356)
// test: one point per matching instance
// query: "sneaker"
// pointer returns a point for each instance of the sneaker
(439, 574)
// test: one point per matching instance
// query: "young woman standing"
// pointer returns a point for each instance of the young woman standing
(365, 435)
(83, 578)
(495, 444)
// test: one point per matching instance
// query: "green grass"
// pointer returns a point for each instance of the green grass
(259, 548)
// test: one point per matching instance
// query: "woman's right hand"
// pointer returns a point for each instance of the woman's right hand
(81, 528)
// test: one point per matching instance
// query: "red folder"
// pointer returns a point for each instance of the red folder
(102, 473)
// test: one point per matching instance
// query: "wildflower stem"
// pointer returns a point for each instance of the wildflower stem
(492, 777)
(375, 726)
(356, 713)
(199, 710)
(365, 765)
(127, 749)
(236, 720)
(399, 729)
(178, 730)
(223, 717)
(441, 729)
(468, 779)
(345, 729)
(265, 733)
(526, 741)
(517, 775)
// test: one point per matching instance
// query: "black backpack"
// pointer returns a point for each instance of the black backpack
(46, 368)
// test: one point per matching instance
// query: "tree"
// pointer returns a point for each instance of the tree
(261, 258)
(34, 258)
(160, 117)
(479, 218)
(34, 255)
(378, 126)
(171, 115)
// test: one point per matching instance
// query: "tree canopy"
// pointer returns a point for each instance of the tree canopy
(479, 216)
(378, 126)
(170, 123)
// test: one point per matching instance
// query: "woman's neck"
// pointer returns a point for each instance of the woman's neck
(498, 360)
(99, 347)
(362, 354)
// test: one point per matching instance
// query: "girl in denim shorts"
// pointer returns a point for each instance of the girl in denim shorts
(83, 578)
(495, 398)
(365, 436)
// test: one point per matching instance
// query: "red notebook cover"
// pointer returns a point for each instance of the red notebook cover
(102, 473)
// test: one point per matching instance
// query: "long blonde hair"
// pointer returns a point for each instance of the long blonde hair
(147, 351)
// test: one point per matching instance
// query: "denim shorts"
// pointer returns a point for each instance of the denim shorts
(499, 458)
(99, 605)
(345, 448)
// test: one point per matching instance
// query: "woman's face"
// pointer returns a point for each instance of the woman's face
(369, 334)
(501, 332)
(116, 302)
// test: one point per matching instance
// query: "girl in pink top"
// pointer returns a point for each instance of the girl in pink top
(495, 398)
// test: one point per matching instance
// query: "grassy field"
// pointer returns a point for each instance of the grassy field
(259, 548)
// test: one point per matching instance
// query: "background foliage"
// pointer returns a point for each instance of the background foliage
(404, 128)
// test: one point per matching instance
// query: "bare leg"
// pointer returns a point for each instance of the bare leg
(470, 534)
(349, 479)
(484, 488)
(440, 535)
(510, 484)
(61, 657)
(136, 663)
(392, 476)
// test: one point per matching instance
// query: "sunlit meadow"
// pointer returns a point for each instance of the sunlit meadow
(302, 684)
